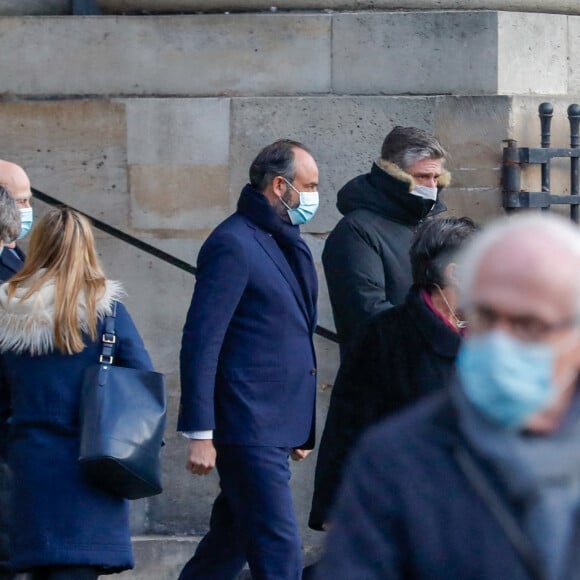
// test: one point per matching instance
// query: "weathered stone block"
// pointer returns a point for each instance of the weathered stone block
(178, 197)
(573, 55)
(415, 52)
(178, 153)
(178, 131)
(175, 55)
(73, 150)
(472, 130)
(467, 53)
(345, 135)
(532, 54)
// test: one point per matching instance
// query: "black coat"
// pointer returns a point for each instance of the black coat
(366, 256)
(410, 508)
(406, 352)
(11, 262)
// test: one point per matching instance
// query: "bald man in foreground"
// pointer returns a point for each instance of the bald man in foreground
(483, 480)
(14, 179)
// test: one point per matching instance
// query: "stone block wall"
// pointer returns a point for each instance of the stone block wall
(150, 124)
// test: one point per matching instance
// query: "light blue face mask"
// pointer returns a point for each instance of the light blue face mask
(506, 379)
(306, 209)
(26, 221)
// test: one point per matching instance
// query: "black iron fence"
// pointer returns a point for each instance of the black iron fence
(514, 158)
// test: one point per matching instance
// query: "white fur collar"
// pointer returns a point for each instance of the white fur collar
(28, 326)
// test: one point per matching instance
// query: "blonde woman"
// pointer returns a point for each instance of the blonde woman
(51, 318)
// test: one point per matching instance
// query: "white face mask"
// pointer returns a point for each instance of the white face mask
(425, 192)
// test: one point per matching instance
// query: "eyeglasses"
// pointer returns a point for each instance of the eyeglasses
(526, 328)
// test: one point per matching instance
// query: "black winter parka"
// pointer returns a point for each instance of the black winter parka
(406, 353)
(366, 257)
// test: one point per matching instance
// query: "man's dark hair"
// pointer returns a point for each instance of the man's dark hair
(434, 247)
(9, 217)
(274, 160)
(404, 146)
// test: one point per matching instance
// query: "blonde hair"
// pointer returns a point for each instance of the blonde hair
(62, 250)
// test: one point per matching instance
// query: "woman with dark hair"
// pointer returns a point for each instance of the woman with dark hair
(405, 353)
(51, 321)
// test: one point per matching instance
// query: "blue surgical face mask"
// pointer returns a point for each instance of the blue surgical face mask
(425, 192)
(306, 209)
(26, 221)
(506, 379)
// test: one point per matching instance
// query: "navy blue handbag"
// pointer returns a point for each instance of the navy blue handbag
(122, 417)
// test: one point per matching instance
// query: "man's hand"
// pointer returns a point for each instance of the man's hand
(202, 456)
(299, 454)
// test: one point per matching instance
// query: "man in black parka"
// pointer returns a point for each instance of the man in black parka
(366, 257)
(404, 353)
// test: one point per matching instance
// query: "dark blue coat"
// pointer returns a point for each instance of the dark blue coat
(11, 262)
(408, 509)
(57, 516)
(247, 357)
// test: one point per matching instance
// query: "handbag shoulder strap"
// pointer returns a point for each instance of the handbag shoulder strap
(109, 338)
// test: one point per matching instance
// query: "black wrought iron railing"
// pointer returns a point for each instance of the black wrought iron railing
(148, 248)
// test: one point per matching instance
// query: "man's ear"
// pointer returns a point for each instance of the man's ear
(450, 273)
(279, 186)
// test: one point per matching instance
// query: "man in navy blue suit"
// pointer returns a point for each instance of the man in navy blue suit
(248, 369)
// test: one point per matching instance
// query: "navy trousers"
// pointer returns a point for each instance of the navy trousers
(252, 519)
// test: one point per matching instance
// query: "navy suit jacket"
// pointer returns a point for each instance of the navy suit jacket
(11, 262)
(248, 367)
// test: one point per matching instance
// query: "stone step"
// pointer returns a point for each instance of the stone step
(162, 557)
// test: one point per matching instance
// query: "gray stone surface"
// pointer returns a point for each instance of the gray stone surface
(161, 6)
(533, 53)
(345, 135)
(423, 53)
(472, 130)
(415, 52)
(173, 55)
(178, 154)
(74, 150)
(573, 55)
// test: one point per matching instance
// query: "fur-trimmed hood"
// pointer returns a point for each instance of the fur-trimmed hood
(28, 325)
(386, 191)
(395, 171)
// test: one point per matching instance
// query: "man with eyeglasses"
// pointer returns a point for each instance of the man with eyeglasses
(15, 180)
(483, 480)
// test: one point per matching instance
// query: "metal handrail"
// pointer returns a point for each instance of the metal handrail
(148, 248)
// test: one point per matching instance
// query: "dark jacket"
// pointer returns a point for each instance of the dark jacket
(409, 508)
(11, 262)
(248, 366)
(405, 353)
(59, 517)
(366, 256)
